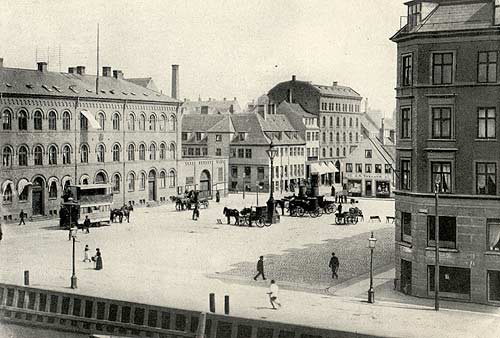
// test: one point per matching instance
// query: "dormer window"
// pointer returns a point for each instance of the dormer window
(198, 136)
(184, 136)
(241, 136)
(414, 14)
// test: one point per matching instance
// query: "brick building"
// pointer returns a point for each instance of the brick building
(447, 140)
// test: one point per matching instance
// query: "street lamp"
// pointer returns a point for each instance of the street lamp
(73, 237)
(272, 153)
(372, 241)
(437, 186)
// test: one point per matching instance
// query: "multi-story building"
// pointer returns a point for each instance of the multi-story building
(447, 142)
(60, 128)
(211, 106)
(338, 111)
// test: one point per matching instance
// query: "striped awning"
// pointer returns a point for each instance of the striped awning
(5, 184)
(92, 121)
(22, 184)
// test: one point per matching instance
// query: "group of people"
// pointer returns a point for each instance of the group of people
(340, 196)
(121, 213)
(97, 258)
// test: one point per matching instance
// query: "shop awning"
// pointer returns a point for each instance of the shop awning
(319, 169)
(332, 167)
(5, 184)
(92, 121)
(22, 184)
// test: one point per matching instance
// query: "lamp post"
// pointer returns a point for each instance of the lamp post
(270, 203)
(437, 186)
(73, 237)
(372, 241)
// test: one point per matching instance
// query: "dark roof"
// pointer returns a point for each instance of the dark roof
(146, 82)
(214, 106)
(200, 123)
(34, 82)
(295, 108)
(336, 90)
(249, 124)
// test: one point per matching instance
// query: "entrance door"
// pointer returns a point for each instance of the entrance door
(37, 191)
(152, 185)
(368, 188)
(205, 184)
(405, 277)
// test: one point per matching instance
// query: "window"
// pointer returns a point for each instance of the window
(248, 171)
(486, 123)
(405, 175)
(234, 172)
(52, 190)
(204, 151)
(406, 227)
(324, 121)
(248, 153)
(324, 137)
(142, 152)
(338, 120)
(337, 137)
(414, 14)
(378, 168)
(324, 152)
(406, 76)
(101, 119)
(494, 284)
(131, 122)
(331, 152)
(405, 123)
(172, 123)
(37, 120)
(359, 168)
(23, 196)
(368, 168)
(220, 174)
(442, 68)
(116, 183)
(447, 231)
(441, 173)
(368, 153)
(7, 120)
(331, 137)
(52, 120)
(7, 194)
(163, 151)
(357, 118)
(84, 154)
(260, 173)
(163, 180)
(350, 137)
(22, 120)
(152, 122)
(241, 153)
(308, 136)
(38, 157)
(487, 67)
(23, 156)
(100, 153)
(131, 152)
(343, 137)
(116, 121)
(388, 168)
(142, 182)
(441, 123)
(493, 234)
(6, 157)
(357, 137)
(142, 122)
(84, 123)
(331, 120)
(337, 152)
(162, 122)
(171, 178)
(131, 182)
(52, 155)
(116, 153)
(152, 152)
(451, 280)
(486, 178)
(66, 120)
(184, 136)
(218, 152)
(218, 138)
(344, 152)
(350, 121)
(343, 121)
(172, 151)
(66, 155)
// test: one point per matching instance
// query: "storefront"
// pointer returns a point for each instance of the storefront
(354, 187)
(382, 188)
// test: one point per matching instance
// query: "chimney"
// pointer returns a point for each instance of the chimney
(106, 71)
(175, 81)
(71, 70)
(118, 74)
(42, 66)
(334, 83)
(1, 62)
(382, 132)
(293, 77)
(80, 70)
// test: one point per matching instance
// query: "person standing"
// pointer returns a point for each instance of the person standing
(1, 232)
(98, 259)
(86, 257)
(21, 217)
(260, 268)
(130, 209)
(86, 224)
(339, 208)
(217, 196)
(196, 211)
(273, 294)
(333, 191)
(334, 265)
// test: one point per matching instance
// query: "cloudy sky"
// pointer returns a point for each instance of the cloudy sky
(225, 48)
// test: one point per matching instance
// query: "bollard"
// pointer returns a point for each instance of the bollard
(226, 304)
(26, 277)
(212, 302)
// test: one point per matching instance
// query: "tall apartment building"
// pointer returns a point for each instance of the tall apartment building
(447, 141)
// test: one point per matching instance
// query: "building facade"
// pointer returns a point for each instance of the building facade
(447, 142)
(59, 129)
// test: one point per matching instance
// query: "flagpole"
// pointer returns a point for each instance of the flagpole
(97, 78)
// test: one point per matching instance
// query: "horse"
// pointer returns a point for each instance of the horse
(357, 213)
(116, 213)
(232, 212)
(181, 202)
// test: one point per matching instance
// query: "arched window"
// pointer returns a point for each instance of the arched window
(131, 122)
(116, 153)
(350, 121)
(22, 120)
(66, 120)
(116, 121)
(331, 152)
(37, 120)
(84, 154)
(131, 181)
(52, 155)
(324, 137)
(52, 120)
(343, 137)
(101, 119)
(163, 179)
(343, 151)
(100, 178)
(23, 156)
(6, 156)
(142, 122)
(338, 121)
(152, 122)
(337, 137)
(172, 151)
(331, 121)
(66, 153)
(100, 153)
(142, 182)
(357, 137)
(163, 151)
(53, 190)
(7, 194)
(142, 152)
(324, 152)
(161, 122)
(172, 178)
(356, 121)
(331, 137)
(343, 121)
(338, 152)
(131, 152)
(38, 155)
(116, 183)
(350, 137)
(84, 123)
(7, 120)
(152, 152)
(172, 123)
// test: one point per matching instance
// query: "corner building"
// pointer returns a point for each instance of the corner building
(447, 106)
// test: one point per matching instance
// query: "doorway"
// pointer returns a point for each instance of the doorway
(368, 188)
(405, 277)
(205, 184)
(37, 196)
(152, 185)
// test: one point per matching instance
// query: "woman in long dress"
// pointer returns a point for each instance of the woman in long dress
(98, 260)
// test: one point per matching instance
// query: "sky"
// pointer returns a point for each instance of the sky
(225, 48)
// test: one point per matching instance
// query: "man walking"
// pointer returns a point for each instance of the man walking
(86, 224)
(21, 217)
(260, 268)
(273, 294)
(334, 265)
(217, 196)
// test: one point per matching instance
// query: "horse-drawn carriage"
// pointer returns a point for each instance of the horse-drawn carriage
(349, 217)
(248, 216)
(188, 200)
(299, 206)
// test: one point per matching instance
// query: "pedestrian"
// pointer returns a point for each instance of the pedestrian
(130, 209)
(339, 208)
(334, 265)
(333, 191)
(273, 294)
(86, 257)
(86, 224)
(21, 217)
(1, 232)
(98, 259)
(120, 215)
(196, 211)
(217, 196)
(260, 268)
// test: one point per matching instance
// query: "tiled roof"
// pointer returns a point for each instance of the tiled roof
(146, 82)
(34, 82)
(200, 123)
(336, 90)
(214, 106)
(295, 108)
(249, 124)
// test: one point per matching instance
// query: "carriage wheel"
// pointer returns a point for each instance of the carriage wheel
(266, 221)
(293, 212)
(314, 213)
(259, 222)
(330, 208)
(354, 219)
(244, 220)
(338, 220)
(178, 206)
(300, 211)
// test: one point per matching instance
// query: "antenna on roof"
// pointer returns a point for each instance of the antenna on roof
(97, 78)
